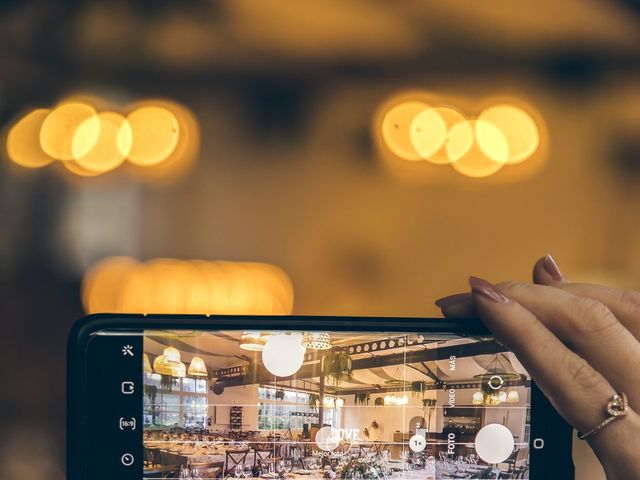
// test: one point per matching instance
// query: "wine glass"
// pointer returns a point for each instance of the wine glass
(288, 466)
(313, 466)
(239, 470)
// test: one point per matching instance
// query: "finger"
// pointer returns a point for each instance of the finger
(574, 388)
(625, 304)
(588, 328)
(459, 305)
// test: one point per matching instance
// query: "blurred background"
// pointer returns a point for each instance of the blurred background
(338, 158)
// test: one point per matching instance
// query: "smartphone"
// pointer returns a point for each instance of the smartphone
(157, 397)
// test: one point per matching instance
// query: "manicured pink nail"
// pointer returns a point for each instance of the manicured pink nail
(451, 300)
(551, 267)
(486, 289)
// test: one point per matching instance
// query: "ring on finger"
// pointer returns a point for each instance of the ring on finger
(616, 408)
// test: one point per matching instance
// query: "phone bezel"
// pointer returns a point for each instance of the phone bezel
(547, 420)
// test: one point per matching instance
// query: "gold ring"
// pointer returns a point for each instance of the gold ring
(617, 407)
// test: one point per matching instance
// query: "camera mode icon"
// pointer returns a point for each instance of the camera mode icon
(127, 459)
(128, 388)
(127, 423)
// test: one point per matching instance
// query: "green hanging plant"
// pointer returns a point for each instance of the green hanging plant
(151, 392)
(337, 366)
(429, 405)
(418, 388)
(314, 401)
(167, 382)
(362, 398)
(428, 402)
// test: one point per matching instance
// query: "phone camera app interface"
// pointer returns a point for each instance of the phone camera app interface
(332, 405)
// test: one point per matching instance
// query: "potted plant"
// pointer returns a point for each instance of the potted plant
(314, 401)
(418, 389)
(151, 392)
(167, 382)
(362, 398)
(337, 366)
(429, 405)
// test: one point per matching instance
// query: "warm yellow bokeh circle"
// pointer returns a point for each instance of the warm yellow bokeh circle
(23, 141)
(112, 146)
(396, 126)
(155, 134)
(519, 130)
(58, 132)
(477, 149)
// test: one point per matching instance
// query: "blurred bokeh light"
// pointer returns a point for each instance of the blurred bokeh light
(359, 146)
(156, 134)
(476, 147)
(123, 285)
(23, 141)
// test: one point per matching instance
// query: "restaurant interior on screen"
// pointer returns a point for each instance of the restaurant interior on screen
(333, 404)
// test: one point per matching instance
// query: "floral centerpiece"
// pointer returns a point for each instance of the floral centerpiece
(361, 468)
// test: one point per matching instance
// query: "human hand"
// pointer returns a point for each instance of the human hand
(580, 343)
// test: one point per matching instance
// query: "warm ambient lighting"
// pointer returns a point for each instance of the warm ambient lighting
(316, 340)
(58, 133)
(171, 355)
(23, 141)
(396, 126)
(146, 365)
(124, 285)
(111, 147)
(408, 129)
(428, 132)
(160, 138)
(169, 363)
(197, 368)
(477, 149)
(252, 341)
(478, 398)
(519, 130)
(396, 400)
(513, 397)
(155, 132)
(283, 355)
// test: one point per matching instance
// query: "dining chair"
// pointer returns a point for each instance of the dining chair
(233, 458)
(262, 451)
(208, 470)
(161, 473)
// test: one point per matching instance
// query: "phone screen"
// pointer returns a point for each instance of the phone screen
(318, 404)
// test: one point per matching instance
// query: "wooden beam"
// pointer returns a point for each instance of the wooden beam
(426, 355)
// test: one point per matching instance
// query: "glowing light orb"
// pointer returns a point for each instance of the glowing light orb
(427, 132)
(58, 137)
(112, 146)
(23, 141)
(396, 127)
(517, 127)
(477, 149)
(283, 355)
(155, 131)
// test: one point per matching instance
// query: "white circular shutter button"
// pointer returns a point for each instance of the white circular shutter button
(494, 443)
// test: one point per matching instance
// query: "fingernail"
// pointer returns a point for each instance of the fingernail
(486, 289)
(551, 267)
(452, 300)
